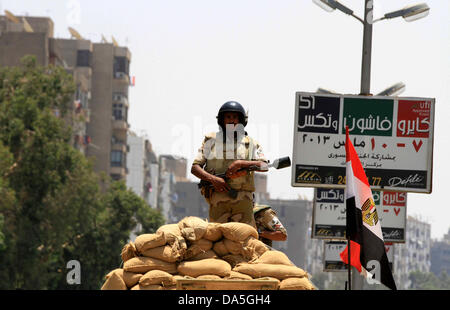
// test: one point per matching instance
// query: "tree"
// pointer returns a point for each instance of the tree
(429, 281)
(52, 210)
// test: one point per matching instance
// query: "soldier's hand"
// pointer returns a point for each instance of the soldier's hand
(220, 185)
(232, 171)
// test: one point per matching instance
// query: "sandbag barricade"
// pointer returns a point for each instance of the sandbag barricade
(196, 249)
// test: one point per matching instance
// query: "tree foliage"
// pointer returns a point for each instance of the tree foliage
(429, 281)
(52, 209)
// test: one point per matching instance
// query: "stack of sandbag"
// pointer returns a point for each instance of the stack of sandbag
(194, 248)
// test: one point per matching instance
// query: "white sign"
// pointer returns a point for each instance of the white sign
(393, 137)
(331, 255)
(329, 214)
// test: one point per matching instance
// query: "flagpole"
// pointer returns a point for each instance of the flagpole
(349, 266)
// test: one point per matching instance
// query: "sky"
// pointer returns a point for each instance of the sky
(189, 57)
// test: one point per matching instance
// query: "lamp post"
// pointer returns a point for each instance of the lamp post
(409, 13)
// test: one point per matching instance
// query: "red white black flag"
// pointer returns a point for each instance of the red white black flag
(363, 226)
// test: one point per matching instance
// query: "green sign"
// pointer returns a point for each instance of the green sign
(373, 117)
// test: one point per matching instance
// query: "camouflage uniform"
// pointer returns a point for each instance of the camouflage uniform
(215, 159)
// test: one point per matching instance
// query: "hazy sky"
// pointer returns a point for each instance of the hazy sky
(190, 56)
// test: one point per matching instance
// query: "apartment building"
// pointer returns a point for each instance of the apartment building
(101, 74)
(440, 255)
(142, 165)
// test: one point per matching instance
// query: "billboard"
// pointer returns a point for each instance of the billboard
(329, 214)
(393, 137)
(332, 260)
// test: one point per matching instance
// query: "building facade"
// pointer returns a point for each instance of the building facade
(99, 117)
(142, 166)
(440, 255)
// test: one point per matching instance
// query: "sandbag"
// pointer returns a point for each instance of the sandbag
(234, 275)
(220, 248)
(166, 253)
(203, 255)
(157, 277)
(142, 264)
(153, 287)
(192, 228)
(234, 259)
(238, 231)
(233, 247)
(209, 277)
(205, 266)
(253, 248)
(296, 284)
(128, 251)
(280, 272)
(114, 280)
(273, 257)
(131, 278)
(197, 247)
(148, 241)
(213, 232)
(171, 232)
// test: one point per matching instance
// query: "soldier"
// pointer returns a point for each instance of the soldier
(229, 151)
(268, 225)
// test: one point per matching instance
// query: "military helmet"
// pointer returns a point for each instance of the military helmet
(232, 106)
(258, 207)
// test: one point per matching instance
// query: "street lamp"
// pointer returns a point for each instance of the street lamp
(393, 90)
(409, 13)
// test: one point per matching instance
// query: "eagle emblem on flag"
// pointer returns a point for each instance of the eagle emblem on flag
(369, 212)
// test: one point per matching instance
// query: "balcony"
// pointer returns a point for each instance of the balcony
(120, 146)
(121, 99)
(121, 171)
(122, 78)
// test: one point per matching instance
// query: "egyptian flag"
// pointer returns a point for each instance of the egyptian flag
(363, 226)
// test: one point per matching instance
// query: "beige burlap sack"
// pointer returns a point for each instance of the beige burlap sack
(153, 287)
(142, 264)
(220, 248)
(203, 255)
(234, 259)
(296, 284)
(157, 277)
(114, 280)
(234, 275)
(131, 278)
(192, 228)
(273, 257)
(269, 270)
(128, 251)
(236, 231)
(165, 253)
(149, 241)
(213, 232)
(254, 248)
(209, 277)
(233, 247)
(197, 247)
(171, 232)
(203, 267)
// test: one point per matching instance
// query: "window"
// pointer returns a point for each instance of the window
(121, 65)
(116, 158)
(119, 111)
(83, 58)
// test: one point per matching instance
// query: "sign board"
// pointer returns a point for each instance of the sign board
(332, 260)
(329, 214)
(393, 137)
